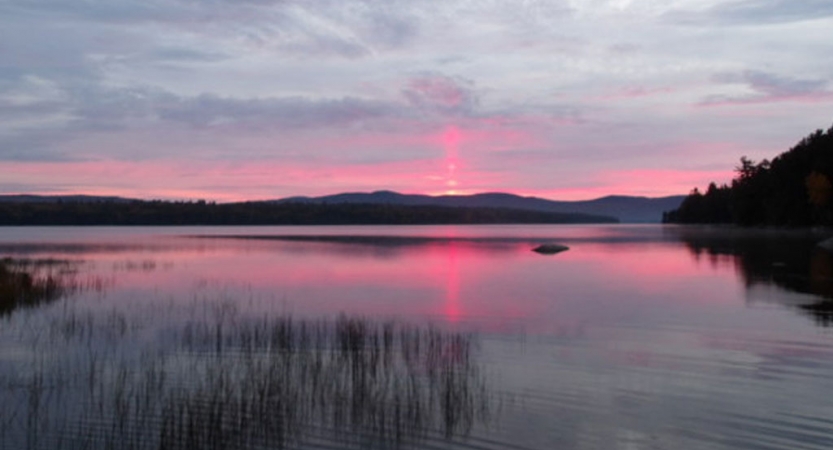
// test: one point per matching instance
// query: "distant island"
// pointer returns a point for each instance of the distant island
(382, 207)
(794, 190)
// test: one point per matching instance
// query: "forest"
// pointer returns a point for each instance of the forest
(793, 189)
(156, 212)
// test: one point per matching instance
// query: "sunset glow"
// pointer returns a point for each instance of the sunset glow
(451, 143)
(275, 99)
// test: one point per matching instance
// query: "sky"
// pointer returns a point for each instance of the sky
(230, 100)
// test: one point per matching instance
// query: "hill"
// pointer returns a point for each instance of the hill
(794, 189)
(625, 208)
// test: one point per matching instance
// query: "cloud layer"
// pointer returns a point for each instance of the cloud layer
(267, 98)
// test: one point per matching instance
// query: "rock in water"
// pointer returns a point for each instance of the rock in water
(550, 249)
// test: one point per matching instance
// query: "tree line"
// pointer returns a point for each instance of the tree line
(793, 189)
(264, 213)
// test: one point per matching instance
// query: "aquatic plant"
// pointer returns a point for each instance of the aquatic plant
(27, 283)
(223, 381)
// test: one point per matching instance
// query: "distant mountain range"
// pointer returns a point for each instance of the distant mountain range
(626, 208)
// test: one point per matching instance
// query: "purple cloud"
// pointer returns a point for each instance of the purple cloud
(442, 94)
(771, 88)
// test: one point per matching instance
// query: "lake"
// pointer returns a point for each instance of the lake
(637, 337)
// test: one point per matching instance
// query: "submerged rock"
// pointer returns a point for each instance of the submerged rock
(549, 249)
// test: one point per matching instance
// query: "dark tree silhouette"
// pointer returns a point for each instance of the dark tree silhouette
(794, 189)
(265, 213)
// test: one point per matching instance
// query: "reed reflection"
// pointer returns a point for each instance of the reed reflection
(221, 380)
(29, 283)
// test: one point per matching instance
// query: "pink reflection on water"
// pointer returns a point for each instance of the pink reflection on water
(452, 293)
(455, 275)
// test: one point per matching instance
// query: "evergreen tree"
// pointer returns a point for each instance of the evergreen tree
(794, 189)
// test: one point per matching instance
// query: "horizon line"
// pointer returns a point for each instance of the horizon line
(433, 195)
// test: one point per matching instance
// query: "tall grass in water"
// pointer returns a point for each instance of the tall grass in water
(28, 283)
(223, 382)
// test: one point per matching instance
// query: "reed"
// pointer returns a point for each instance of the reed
(224, 381)
(28, 283)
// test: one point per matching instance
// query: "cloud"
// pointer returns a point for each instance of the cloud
(179, 54)
(770, 88)
(303, 28)
(540, 89)
(37, 122)
(439, 93)
(286, 112)
(84, 109)
(775, 86)
(34, 145)
(391, 30)
(748, 12)
(143, 11)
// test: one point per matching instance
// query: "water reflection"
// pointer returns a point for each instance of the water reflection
(28, 283)
(638, 337)
(223, 380)
(788, 260)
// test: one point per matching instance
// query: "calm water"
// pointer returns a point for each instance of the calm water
(638, 337)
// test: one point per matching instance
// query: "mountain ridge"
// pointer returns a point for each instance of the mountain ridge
(630, 209)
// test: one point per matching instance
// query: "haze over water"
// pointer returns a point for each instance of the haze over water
(637, 337)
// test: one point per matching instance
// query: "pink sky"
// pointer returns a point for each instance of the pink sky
(559, 99)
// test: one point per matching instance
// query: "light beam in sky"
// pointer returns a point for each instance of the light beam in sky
(451, 144)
